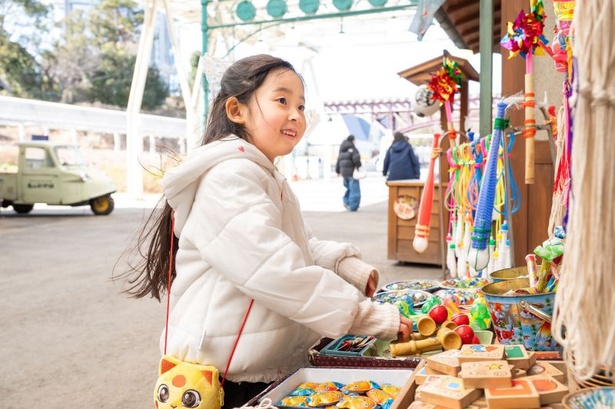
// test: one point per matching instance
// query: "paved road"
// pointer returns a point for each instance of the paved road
(70, 339)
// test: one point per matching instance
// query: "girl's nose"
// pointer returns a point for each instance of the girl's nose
(296, 115)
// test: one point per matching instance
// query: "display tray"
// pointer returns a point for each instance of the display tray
(281, 389)
(318, 359)
(420, 284)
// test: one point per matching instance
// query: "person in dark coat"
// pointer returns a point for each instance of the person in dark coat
(400, 161)
(348, 160)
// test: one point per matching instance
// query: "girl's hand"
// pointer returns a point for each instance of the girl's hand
(372, 282)
(405, 329)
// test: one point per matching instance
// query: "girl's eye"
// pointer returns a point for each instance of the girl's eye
(301, 108)
(282, 101)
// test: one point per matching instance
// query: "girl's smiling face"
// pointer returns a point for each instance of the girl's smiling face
(275, 116)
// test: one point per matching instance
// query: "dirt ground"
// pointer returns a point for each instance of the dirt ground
(70, 339)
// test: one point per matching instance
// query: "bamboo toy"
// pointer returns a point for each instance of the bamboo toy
(426, 326)
(529, 132)
(421, 230)
(446, 339)
(524, 36)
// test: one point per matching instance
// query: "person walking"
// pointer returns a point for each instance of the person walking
(348, 160)
(242, 252)
(400, 161)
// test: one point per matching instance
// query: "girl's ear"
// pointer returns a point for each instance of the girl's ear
(235, 110)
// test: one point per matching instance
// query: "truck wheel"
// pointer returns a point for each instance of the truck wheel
(23, 208)
(103, 205)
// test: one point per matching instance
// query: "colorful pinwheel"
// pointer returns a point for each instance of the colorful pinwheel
(444, 84)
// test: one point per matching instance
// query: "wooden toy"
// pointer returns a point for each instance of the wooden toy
(445, 362)
(421, 230)
(545, 368)
(448, 324)
(479, 352)
(446, 339)
(550, 389)
(518, 356)
(415, 336)
(424, 372)
(516, 372)
(522, 395)
(426, 325)
(415, 347)
(447, 391)
(485, 374)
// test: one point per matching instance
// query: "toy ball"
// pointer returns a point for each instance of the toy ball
(425, 104)
(429, 304)
(403, 307)
(479, 316)
(453, 299)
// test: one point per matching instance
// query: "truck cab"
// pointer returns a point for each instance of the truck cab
(55, 174)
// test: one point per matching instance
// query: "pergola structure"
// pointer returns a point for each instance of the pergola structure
(245, 19)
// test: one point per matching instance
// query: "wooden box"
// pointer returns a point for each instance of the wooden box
(404, 199)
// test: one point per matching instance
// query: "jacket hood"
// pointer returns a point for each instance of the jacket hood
(399, 146)
(180, 183)
(346, 145)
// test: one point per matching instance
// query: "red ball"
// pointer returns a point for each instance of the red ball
(466, 333)
(461, 319)
(439, 313)
(475, 340)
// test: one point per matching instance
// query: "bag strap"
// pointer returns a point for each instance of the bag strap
(166, 324)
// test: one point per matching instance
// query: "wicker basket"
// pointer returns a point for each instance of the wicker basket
(590, 398)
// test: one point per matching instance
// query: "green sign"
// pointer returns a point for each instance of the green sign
(246, 11)
(342, 5)
(309, 6)
(276, 8)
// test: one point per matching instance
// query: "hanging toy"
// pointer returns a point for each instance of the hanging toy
(426, 104)
(503, 246)
(444, 84)
(421, 230)
(492, 259)
(462, 265)
(524, 36)
(478, 256)
(451, 263)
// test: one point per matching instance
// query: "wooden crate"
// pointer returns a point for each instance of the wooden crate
(401, 229)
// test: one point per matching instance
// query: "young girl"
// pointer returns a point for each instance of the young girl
(241, 236)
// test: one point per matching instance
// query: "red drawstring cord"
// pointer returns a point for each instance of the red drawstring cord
(230, 358)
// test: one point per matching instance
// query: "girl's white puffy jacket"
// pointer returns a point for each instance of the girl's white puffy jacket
(242, 237)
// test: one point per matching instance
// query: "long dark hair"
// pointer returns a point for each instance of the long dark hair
(149, 258)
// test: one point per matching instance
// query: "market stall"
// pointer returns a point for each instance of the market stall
(496, 332)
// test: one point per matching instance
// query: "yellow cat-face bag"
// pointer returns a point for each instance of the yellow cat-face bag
(186, 385)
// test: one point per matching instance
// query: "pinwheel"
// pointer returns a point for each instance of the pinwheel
(444, 84)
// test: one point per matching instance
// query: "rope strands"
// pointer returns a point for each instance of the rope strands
(585, 305)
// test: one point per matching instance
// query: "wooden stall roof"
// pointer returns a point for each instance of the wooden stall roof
(460, 19)
(421, 74)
